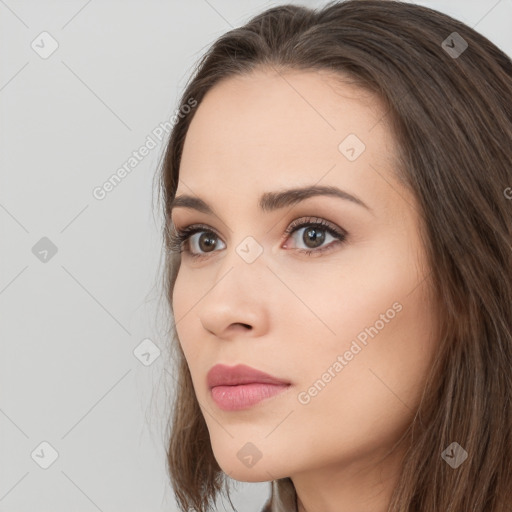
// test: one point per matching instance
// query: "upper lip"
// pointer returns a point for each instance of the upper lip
(222, 375)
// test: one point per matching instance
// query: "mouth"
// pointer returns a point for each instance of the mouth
(240, 387)
(243, 396)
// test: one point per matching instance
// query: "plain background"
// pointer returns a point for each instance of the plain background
(72, 322)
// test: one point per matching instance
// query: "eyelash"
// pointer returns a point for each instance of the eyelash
(179, 238)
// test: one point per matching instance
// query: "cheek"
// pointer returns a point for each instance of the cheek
(368, 404)
(184, 298)
(381, 315)
(178, 295)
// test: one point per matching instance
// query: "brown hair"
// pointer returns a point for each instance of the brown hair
(451, 115)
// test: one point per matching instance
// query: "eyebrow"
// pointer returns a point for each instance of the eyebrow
(270, 201)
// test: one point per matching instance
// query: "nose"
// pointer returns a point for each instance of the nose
(237, 301)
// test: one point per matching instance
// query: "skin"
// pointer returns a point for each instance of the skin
(292, 315)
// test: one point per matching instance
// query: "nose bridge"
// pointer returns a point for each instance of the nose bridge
(239, 291)
(250, 250)
(244, 266)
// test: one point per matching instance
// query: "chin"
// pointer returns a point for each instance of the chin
(247, 463)
(249, 475)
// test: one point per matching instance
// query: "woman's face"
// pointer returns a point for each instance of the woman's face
(349, 326)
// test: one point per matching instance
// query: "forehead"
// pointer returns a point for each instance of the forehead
(266, 130)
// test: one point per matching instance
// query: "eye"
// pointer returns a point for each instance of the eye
(182, 239)
(313, 233)
(198, 240)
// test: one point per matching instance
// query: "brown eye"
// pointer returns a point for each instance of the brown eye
(202, 242)
(195, 241)
(198, 240)
(206, 241)
(313, 237)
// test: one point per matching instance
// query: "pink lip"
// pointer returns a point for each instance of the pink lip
(239, 387)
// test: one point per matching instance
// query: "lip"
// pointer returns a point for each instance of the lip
(222, 375)
(240, 387)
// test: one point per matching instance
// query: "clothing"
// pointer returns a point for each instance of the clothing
(283, 497)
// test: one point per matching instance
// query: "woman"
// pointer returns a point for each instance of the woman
(339, 268)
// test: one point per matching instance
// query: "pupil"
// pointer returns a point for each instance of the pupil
(312, 235)
(206, 241)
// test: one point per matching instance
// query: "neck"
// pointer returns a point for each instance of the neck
(359, 486)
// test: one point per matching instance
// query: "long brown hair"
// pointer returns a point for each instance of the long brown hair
(450, 109)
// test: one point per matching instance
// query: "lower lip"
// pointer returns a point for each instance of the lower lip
(243, 396)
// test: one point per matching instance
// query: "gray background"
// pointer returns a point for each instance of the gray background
(73, 372)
